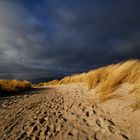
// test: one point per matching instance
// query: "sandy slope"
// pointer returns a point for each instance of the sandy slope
(69, 112)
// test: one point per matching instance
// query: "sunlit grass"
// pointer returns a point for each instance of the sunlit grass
(136, 95)
(106, 79)
(14, 85)
(128, 72)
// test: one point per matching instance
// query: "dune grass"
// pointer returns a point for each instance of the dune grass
(66, 80)
(106, 79)
(127, 72)
(8, 86)
(96, 77)
(136, 95)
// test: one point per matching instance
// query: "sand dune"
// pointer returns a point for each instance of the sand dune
(70, 112)
(103, 104)
(106, 79)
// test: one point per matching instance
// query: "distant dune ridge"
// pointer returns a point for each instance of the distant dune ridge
(13, 85)
(106, 79)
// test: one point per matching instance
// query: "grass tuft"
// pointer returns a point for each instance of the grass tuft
(8, 86)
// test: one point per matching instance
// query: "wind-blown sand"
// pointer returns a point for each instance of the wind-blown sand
(69, 112)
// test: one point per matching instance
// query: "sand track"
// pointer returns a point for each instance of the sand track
(62, 113)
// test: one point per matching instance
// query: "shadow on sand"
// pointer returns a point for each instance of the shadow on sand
(31, 91)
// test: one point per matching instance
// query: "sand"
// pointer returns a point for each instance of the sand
(69, 112)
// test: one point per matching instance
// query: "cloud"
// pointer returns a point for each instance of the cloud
(90, 29)
(60, 37)
(22, 42)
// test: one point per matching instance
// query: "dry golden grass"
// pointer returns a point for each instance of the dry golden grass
(136, 96)
(13, 85)
(96, 77)
(127, 72)
(54, 82)
(69, 79)
(106, 79)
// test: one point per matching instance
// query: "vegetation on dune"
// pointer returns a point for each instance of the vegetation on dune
(73, 79)
(13, 85)
(96, 77)
(136, 95)
(106, 79)
(127, 72)
(69, 79)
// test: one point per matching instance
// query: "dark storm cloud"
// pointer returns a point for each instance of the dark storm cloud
(89, 31)
(59, 37)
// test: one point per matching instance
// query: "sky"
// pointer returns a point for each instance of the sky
(47, 39)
